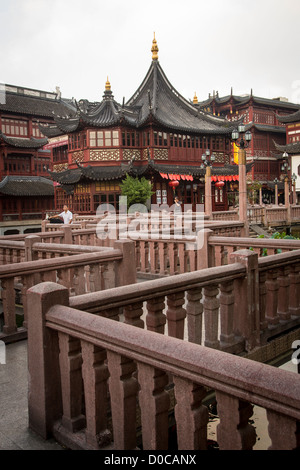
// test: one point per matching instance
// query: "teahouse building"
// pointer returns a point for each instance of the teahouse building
(157, 133)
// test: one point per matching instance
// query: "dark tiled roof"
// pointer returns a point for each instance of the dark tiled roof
(266, 128)
(288, 118)
(276, 103)
(31, 143)
(34, 106)
(102, 173)
(157, 98)
(26, 186)
(293, 148)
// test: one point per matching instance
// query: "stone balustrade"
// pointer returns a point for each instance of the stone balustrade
(81, 269)
(96, 384)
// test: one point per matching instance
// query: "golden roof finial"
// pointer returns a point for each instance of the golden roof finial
(154, 49)
(195, 99)
(107, 85)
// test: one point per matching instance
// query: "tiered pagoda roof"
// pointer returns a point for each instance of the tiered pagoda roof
(156, 100)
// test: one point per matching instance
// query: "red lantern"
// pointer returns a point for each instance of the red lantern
(173, 184)
(220, 184)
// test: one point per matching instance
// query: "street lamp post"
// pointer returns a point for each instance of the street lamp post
(294, 177)
(286, 169)
(242, 140)
(276, 191)
(207, 163)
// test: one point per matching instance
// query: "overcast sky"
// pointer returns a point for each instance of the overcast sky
(204, 45)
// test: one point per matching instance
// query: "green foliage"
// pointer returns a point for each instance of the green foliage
(137, 191)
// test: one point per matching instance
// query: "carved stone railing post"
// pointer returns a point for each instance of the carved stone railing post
(123, 389)
(294, 294)
(191, 415)
(44, 399)
(247, 321)
(272, 287)
(194, 311)
(283, 294)
(8, 300)
(205, 254)
(262, 300)
(126, 269)
(70, 361)
(211, 314)
(234, 432)
(176, 314)
(154, 403)
(95, 376)
(284, 431)
(155, 318)
(226, 314)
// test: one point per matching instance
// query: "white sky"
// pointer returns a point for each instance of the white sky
(204, 45)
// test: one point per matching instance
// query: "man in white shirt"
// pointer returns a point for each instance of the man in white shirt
(66, 215)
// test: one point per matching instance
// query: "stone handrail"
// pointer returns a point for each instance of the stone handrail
(88, 271)
(75, 357)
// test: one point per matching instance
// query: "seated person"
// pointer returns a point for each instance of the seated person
(66, 216)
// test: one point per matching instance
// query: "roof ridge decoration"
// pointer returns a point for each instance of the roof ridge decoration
(154, 49)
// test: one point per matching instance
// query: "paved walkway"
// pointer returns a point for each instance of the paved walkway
(14, 431)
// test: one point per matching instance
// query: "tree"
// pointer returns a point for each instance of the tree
(137, 191)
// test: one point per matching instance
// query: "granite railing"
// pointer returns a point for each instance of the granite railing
(95, 383)
(81, 269)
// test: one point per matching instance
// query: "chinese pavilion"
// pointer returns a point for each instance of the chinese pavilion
(157, 133)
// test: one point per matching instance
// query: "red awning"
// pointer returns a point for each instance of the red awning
(174, 177)
(225, 178)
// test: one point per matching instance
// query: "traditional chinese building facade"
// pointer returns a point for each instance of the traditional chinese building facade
(262, 117)
(24, 160)
(157, 134)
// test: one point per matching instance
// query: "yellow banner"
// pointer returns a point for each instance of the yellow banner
(235, 153)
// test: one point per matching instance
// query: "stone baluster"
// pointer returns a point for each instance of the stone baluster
(132, 314)
(176, 314)
(172, 255)
(284, 431)
(211, 316)
(155, 318)
(162, 254)
(234, 431)
(194, 311)
(63, 277)
(144, 250)
(272, 287)
(138, 254)
(8, 301)
(226, 314)
(27, 283)
(108, 275)
(153, 257)
(182, 258)
(123, 388)
(154, 404)
(79, 280)
(95, 376)
(283, 294)
(262, 300)
(191, 416)
(294, 294)
(70, 361)
(95, 278)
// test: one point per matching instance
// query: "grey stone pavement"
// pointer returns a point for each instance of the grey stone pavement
(14, 431)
